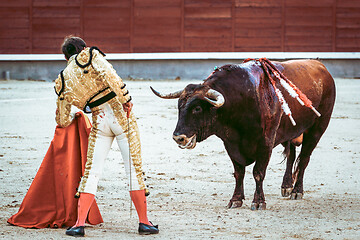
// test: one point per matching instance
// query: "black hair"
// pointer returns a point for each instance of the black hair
(72, 45)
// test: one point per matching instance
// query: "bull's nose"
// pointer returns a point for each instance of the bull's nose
(180, 139)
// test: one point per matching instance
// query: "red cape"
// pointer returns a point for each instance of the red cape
(50, 200)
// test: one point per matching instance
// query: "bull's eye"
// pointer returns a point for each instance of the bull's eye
(197, 110)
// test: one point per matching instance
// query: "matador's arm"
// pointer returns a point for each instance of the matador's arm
(108, 73)
(64, 115)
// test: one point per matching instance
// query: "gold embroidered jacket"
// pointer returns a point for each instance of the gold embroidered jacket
(87, 77)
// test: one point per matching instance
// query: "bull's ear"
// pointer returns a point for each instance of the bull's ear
(215, 98)
(168, 95)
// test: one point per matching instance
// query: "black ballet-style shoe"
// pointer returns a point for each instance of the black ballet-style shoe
(145, 229)
(76, 231)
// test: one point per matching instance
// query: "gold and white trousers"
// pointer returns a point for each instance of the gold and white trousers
(109, 123)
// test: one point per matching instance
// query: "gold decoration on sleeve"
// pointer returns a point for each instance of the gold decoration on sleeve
(63, 117)
(109, 75)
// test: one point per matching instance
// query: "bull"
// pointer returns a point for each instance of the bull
(238, 104)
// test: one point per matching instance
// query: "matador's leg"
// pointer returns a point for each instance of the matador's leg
(98, 149)
(132, 135)
(123, 144)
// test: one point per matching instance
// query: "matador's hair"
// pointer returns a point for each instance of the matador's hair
(72, 45)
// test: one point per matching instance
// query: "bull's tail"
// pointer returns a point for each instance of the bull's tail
(286, 152)
(295, 170)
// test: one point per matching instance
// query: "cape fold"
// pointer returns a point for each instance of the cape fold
(50, 200)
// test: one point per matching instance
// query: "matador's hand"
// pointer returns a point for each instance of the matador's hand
(78, 114)
(127, 108)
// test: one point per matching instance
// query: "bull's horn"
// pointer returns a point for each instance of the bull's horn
(167, 96)
(213, 94)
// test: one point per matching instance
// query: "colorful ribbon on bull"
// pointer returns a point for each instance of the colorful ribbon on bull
(288, 86)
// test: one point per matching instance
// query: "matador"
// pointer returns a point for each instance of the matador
(90, 83)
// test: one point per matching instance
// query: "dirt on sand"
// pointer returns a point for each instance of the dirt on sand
(189, 188)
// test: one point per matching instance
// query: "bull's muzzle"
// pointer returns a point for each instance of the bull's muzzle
(185, 142)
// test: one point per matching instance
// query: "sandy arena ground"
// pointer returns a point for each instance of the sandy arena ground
(189, 188)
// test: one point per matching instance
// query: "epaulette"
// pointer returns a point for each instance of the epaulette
(90, 58)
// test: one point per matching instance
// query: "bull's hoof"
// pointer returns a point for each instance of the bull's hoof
(296, 196)
(254, 206)
(262, 206)
(258, 206)
(234, 204)
(285, 192)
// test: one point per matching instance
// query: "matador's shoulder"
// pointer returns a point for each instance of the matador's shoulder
(83, 57)
(86, 56)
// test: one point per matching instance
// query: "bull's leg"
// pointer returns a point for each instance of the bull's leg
(298, 190)
(309, 144)
(259, 171)
(238, 196)
(239, 163)
(311, 138)
(287, 184)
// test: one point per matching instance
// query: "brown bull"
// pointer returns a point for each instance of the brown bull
(238, 104)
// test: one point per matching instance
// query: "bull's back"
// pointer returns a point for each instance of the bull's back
(308, 75)
(314, 80)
